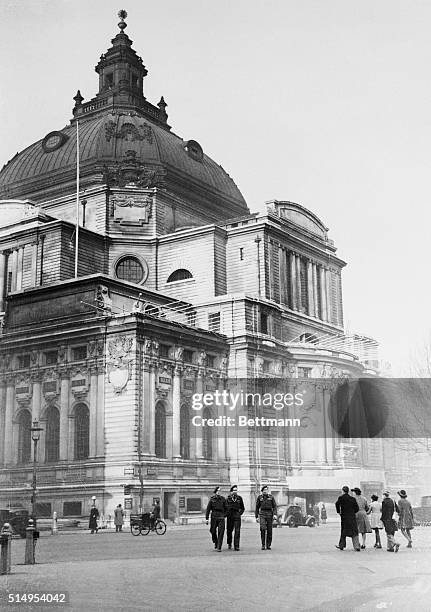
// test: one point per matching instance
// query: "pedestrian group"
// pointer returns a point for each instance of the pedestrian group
(359, 517)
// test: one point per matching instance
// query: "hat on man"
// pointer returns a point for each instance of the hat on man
(216, 489)
(263, 488)
(356, 490)
(386, 493)
(234, 488)
(345, 489)
(402, 493)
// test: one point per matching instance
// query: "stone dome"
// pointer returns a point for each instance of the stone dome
(123, 139)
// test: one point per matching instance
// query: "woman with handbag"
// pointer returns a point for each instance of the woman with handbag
(406, 519)
(375, 522)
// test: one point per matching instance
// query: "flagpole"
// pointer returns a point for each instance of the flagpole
(77, 200)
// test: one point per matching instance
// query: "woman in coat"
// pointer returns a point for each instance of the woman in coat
(364, 526)
(376, 524)
(406, 519)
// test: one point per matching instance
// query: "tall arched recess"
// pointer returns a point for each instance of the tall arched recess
(160, 430)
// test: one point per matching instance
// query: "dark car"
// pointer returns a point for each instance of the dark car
(292, 516)
(17, 519)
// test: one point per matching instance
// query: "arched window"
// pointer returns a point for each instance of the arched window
(130, 269)
(160, 431)
(207, 437)
(179, 275)
(52, 437)
(82, 432)
(185, 432)
(24, 437)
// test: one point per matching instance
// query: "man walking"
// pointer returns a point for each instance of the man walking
(118, 518)
(388, 509)
(217, 507)
(347, 507)
(266, 509)
(155, 514)
(235, 509)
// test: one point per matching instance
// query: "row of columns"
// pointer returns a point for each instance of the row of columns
(65, 403)
(150, 373)
(317, 302)
(12, 262)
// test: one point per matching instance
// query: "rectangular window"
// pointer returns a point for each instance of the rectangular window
(23, 361)
(214, 321)
(266, 366)
(241, 253)
(9, 282)
(264, 323)
(164, 350)
(304, 372)
(194, 504)
(73, 508)
(188, 356)
(79, 353)
(210, 361)
(191, 319)
(43, 509)
(51, 357)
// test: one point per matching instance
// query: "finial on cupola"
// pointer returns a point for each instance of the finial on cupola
(78, 102)
(162, 105)
(122, 15)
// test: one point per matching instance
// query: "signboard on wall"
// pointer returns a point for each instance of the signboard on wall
(182, 502)
(128, 503)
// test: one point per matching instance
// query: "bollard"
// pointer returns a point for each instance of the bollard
(54, 529)
(29, 544)
(6, 546)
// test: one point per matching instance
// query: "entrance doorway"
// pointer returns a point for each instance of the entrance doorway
(169, 506)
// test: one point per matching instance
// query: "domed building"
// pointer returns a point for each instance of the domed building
(141, 282)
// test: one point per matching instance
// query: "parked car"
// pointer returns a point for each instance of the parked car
(292, 516)
(17, 519)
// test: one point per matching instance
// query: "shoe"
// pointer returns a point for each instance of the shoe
(237, 549)
(268, 548)
(378, 546)
(391, 550)
(410, 545)
(358, 549)
(339, 547)
(375, 545)
(263, 547)
(215, 546)
(363, 547)
(229, 546)
(396, 547)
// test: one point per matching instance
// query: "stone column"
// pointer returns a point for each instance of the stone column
(315, 292)
(64, 416)
(19, 264)
(35, 413)
(3, 260)
(298, 283)
(176, 412)
(100, 412)
(310, 288)
(34, 265)
(2, 420)
(14, 264)
(8, 430)
(323, 293)
(93, 411)
(152, 405)
(293, 287)
(328, 295)
(198, 430)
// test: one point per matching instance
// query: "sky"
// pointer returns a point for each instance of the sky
(322, 102)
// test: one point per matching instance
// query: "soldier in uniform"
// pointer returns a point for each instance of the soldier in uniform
(217, 508)
(235, 508)
(266, 509)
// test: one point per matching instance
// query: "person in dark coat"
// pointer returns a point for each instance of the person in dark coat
(266, 510)
(323, 514)
(218, 510)
(94, 516)
(406, 522)
(347, 507)
(235, 509)
(388, 509)
(155, 514)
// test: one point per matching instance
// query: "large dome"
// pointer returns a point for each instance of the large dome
(124, 139)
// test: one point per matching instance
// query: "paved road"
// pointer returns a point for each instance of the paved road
(180, 571)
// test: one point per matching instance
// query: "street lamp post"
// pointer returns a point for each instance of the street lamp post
(35, 435)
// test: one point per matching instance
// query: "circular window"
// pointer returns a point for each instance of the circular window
(131, 269)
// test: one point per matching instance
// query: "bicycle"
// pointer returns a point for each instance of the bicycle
(141, 525)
